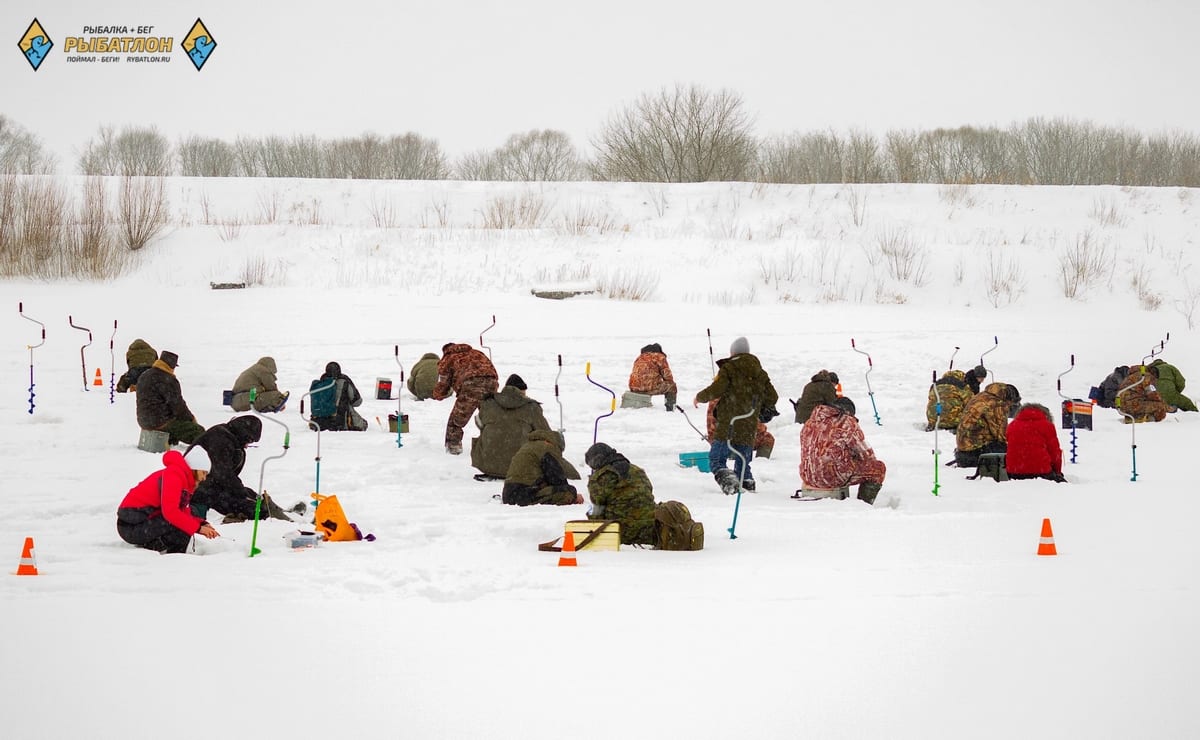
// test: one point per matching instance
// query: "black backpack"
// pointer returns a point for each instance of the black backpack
(674, 528)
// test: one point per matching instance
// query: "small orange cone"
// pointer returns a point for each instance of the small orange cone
(98, 380)
(568, 551)
(28, 566)
(1046, 544)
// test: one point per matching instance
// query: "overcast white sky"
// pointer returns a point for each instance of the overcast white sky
(470, 73)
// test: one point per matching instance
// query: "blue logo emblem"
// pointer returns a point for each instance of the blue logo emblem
(35, 44)
(199, 44)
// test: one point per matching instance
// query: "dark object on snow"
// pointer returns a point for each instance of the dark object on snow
(226, 286)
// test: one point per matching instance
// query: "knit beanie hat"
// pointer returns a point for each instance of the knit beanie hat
(740, 346)
(516, 382)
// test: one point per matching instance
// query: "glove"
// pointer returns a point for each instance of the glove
(767, 413)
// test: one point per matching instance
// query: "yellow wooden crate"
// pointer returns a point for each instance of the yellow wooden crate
(609, 539)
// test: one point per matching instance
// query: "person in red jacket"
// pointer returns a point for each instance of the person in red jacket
(157, 513)
(1033, 449)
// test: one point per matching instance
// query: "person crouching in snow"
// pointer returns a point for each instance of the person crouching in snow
(620, 491)
(471, 375)
(651, 375)
(222, 489)
(138, 359)
(259, 377)
(1033, 448)
(539, 474)
(834, 452)
(157, 514)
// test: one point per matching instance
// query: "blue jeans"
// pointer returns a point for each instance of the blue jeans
(719, 453)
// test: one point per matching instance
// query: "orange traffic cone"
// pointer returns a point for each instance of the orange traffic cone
(568, 551)
(98, 380)
(28, 566)
(1046, 544)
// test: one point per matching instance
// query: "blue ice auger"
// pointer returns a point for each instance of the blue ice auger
(937, 423)
(867, 377)
(738, 501)
(287, 440)
(612, 409)
(1071, 401)
(995, 344)
(485, 331)
(31, 348)
(112, 366)
(314, 425)
(82, 360)
(1131, 420)
(400, 392)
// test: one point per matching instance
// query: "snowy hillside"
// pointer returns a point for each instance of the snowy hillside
(828, 619)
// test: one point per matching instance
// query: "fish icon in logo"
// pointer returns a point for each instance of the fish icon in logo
(35, 44)
(199, 44)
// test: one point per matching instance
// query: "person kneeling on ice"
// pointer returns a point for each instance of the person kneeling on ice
(834, 452)
(1138, 398)
(1170, 386)
(422, 377)
(259, 377)
(222, 489)
(651, 375)
(539, 473)
(741, 386)
(620, 491)
(158, 513)
(333, 405)
(984, 424)
(1033, 449)
(504, 420)
(138, 359)
(954, 390)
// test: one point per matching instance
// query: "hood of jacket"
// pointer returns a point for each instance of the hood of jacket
(268, 363)
(656, 347)
(510, 397)
(428, 356)
(454, 348)
(551, 436)
(245, 429)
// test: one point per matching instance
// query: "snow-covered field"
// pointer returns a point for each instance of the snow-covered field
(830, 619)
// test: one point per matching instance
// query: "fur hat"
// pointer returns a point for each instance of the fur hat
(170, 359)
(333, 369)
(740, 346)
(844, 404)
(245, 429)
(597, 454)
(979, 372)
(516, 382)
(833, 378)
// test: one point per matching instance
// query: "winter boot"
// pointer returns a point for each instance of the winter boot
(453, 449)
(867, 491)
(748, 485)
(670, 398)
(272, 509)
(727, 480)
(764, 451)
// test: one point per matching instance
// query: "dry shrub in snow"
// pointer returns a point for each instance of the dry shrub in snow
(142, 210)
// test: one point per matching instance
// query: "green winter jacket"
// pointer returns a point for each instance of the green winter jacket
(741, 385)
(261, 376)
(820, 390)
(620, 490)
(504, 420)
(538, 473)
(1170, 385)
(422, 377)
(138, 358)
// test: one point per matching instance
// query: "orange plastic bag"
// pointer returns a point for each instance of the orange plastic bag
(332, 521)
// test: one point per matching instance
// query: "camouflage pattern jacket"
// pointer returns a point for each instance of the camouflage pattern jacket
(741, 385)
(138, 358)
(460, 362)
(538, 473)
(955, 393)
(984, 419)
(160, 399)
(504, 421)
(1139, 397)
(820, 390)
(832, 448)
(651, 374)
(423, 375)
(620, 490)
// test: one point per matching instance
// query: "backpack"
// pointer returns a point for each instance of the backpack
(991, 465)
(324, 401)
(674, 528)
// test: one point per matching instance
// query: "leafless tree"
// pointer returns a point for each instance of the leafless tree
(680, 134)
(131, 153)
(142, 210)
(477, 165)
(413, 157)
(207, 157)
(538, 156)
(21, 152)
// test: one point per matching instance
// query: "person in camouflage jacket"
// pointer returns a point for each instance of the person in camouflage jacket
(471, 375)
(1170, 386)
(1138, 396)
(504, 421)
(423, 376)
(539, 473)
(834, 452)
(741, 386)
(984, 424)
(955, 389)
(621, 491)
(821, 389)
(160, 404)
(261, 377)
(651, 375)
(138, 359)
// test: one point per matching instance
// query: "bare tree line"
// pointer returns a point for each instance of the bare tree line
(677, 134)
